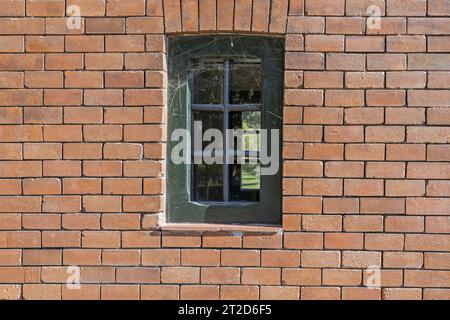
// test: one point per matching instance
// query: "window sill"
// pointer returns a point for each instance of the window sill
(207, 227)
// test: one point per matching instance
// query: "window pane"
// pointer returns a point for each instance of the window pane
(208, 83)
(245, 177)
(245, 83)
(250, 176)
(208, 182)
(208, 178)
(245, 182)
(250, 123)
(207, 120)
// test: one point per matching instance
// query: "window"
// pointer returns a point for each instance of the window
(224, 125)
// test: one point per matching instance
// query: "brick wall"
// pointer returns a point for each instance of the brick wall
(366, 153)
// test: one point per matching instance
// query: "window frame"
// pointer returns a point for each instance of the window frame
(182, 50)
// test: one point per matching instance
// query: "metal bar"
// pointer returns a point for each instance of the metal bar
(191, 169)
(245, 153)
(226, 186)
(207, 107)
(228, 203)
(245, 107)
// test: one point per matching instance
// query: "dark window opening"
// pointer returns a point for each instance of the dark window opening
(226, 82)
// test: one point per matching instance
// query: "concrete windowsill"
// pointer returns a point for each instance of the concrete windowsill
(207, 227)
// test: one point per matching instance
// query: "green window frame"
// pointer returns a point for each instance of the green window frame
(184, 52)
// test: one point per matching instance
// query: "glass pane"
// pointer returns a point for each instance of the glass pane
(208, 176)
(245, 182)
(208, 182)
(250, 123)
(245, 177)
(250, 176)
(208, 82)
(245, 83)
(207, 120)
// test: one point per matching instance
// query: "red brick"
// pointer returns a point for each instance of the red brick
(361, 294)
(42, 292)
(242, 15)
(49, 8)
(343, 241)
(321, 151)
(344, 169)
(279, 293)
(137, 275)
(300, 24)
(383, 205)
(102, 203)
(401, 294)
(436, 294)
(261, 276)
(241, 258)
(364, 44)
(359, 7)
(437, 225)
(404, 224)
(386, 62)
(383, 241)
(361, 259)
(86, 292)
(225, 11)
(406, 44)
(120, 292)
(161, 257)
(159, 292)
(423, 170)
(230, 292)
(144, 239)
(260, 15)
(130, 8)
(280, 258)
(278, 16)
(101, 239)
(363, 223)
(180, 275)
(428, 206)
(12, 80)
(321, 293)
(414, 8)
(426, 242)
(89, 257)
(364, 152)
(308, 277)
(364, 115)
(16, 169)
(426, 278)
(321, 259)
(306, 61)
(199, 292)
(10, 151)
(56, 239)
(12, 8)
(303, 240)
(12, 44)
(385, 170)
(302, 205)
(294, 133)
(344, 134)
(402, 260)
(325, 187)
